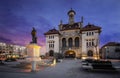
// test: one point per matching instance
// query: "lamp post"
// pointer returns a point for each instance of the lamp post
(105, 53)
(96, 51)
(96, 45)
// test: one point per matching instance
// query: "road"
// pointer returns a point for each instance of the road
(68, 68)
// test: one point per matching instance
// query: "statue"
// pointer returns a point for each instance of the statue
(34, 38)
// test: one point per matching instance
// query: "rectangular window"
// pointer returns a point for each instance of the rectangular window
(92, 43)
(89, 43)
(87, 33)
(92, 33)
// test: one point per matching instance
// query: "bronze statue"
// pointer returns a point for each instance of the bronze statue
(34, 37)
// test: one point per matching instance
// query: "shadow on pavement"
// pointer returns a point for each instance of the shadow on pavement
(101, 71)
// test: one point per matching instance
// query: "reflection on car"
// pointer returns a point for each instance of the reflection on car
(87, 64)
(97, 64)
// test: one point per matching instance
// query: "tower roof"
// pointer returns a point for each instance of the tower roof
(52, 31)
(90, 27)
(70, 27)
(111, 44)
(71, 11)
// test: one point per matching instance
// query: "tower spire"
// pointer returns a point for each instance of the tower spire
(71, 15)
(82, 19)
(60, 21)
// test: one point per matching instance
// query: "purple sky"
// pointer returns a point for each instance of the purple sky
(17, 17)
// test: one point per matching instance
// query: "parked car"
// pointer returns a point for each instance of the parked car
(100, 64)
(87, 64)
(97, 64)
(11, 57)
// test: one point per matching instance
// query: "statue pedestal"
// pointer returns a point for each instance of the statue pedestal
(33, 55)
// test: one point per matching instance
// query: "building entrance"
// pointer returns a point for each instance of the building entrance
(51, 53)
(69, 54)
(90, 53)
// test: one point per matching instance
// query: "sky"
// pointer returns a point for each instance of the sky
(17, 17)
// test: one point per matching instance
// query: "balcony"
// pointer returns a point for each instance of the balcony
(69, 48)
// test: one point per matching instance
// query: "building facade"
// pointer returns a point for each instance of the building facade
(10, 48)
(73, 39)
(111, 50)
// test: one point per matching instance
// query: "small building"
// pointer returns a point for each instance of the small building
(111, 50)
(12, 49)
(52, 41)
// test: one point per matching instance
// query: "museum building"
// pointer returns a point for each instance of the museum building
(74, 39)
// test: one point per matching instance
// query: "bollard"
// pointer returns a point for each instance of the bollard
(33, 66)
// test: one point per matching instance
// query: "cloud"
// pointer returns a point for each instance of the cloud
(17, 17)
(16, 26)
(3, 39)
(111, 37)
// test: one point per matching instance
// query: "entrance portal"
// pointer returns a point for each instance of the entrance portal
(51, 53)
(69, 54)
(90, 53)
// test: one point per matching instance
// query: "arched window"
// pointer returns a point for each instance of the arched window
(77, 42)
(51, 53)
(90, 53)
(70, 41)
(63, 42)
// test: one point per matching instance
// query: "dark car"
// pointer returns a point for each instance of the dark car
(97, 64)
(87, 64)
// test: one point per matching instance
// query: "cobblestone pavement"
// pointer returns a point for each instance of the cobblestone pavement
(68, 68)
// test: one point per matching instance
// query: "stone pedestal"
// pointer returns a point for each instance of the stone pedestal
(33, 55)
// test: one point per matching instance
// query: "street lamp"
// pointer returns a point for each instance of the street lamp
(96, 45)
(105, 53)
(96, 51)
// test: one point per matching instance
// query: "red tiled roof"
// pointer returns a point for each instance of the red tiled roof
(52, 31)
(111, 44)
(70, 26)
(91, 27)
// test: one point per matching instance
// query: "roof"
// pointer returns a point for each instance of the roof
(70, 26)
(90, 27)
(112, 44)
(52, 31)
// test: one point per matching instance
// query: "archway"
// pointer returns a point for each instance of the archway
(90, 53)
(51, 53)
(69, 54)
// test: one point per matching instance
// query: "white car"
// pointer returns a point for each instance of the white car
(87, 64)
